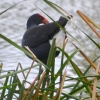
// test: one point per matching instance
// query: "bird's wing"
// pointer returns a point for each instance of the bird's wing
(37, 35)
(47, 29)
(35, 40)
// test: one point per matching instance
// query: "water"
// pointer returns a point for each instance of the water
(13, 26)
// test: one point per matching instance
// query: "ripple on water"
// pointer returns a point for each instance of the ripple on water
(13, 26)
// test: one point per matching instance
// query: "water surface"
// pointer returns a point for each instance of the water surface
(13, 26)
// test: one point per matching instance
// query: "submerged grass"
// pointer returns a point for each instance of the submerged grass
(84, 87)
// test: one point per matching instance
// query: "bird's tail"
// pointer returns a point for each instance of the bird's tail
(63, 21)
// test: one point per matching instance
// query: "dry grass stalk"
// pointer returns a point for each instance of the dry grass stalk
(57, 96)
(65, 43)
(66, 13)
(27, 93)
(30, 52)
(88, 59)
(92, 64)
(95, 83)
(38, 87)
(1, 65)
(19, 64)
(87, 20)
(32, 62)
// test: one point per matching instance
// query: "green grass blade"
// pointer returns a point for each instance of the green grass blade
(77, 70)
(10, 7)
(21, 93)
(85, 72)
(70, 96)
(62, 60)
(79, 74)
(53, 73)
(4, 89)
(56, 7)
(12, 88)
(66, 62)
(51, 53)
(14, 44)
(8, 86)
(22, 49)
(49, 62)
(31, 94)
(98, 45)
(1, 65)
(10, 74)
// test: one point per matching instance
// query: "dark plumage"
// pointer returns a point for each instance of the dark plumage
(37, 37)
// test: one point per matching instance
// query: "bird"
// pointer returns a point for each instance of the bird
(40, 33)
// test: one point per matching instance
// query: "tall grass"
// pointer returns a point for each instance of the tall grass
(84, 87)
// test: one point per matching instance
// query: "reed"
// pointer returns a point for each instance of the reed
(85, 87)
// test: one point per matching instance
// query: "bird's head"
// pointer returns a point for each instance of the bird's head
(36, 19)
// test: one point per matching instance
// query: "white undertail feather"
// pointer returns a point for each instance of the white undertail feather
(60, 37)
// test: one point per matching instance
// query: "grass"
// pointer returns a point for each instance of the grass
(84, 87)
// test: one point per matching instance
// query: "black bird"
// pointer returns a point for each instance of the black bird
(39, 37)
